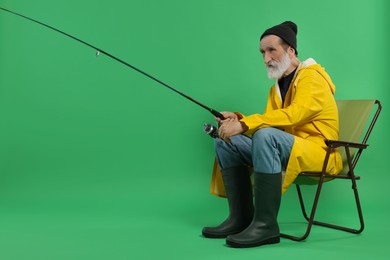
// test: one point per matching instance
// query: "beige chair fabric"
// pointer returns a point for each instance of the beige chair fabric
(353, 117)
(353, 121)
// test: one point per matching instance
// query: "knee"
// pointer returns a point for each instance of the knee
(264, 135)
(236, 143)
(236, 140)
(219, 146)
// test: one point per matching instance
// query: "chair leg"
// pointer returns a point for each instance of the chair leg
(343, 228)
(358, 207)
(301, 202)
(312, 214)
(311, 220)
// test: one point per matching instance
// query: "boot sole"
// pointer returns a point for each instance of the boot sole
(220, 234)
(273, 240)
(207, 235)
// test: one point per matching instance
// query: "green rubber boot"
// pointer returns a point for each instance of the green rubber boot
(239, 193)
(264, 228)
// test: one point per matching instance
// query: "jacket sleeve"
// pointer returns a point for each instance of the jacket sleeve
(309, 93)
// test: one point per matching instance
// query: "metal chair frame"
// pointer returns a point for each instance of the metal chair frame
(352, 161)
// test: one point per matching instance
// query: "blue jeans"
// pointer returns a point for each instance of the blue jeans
(267, 151)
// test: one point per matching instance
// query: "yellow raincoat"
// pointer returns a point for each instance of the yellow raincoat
(309, 113)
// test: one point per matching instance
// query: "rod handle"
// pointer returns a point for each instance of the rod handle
(217, 114)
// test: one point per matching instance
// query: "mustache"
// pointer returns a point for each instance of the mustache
(272, 64)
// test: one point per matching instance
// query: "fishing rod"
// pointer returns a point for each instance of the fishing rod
(99, 51)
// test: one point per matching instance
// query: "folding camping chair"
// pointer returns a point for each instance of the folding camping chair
(353, 117)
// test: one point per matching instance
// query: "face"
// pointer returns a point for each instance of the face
(276, 56)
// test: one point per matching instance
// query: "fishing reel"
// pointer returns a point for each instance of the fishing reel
(210, 130)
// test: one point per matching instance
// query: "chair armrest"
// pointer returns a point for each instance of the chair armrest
(336, 143)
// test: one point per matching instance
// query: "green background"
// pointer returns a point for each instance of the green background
(99, 162)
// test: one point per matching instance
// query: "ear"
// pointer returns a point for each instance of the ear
(291, 50)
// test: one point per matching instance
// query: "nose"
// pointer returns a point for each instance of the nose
(267, 58)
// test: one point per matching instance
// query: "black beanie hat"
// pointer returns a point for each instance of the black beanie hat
(287, 31)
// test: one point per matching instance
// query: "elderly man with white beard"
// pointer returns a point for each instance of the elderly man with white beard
(289, 137)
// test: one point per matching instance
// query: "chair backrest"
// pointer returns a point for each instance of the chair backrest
(353, 117)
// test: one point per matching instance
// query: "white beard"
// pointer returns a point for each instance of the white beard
(275, 70)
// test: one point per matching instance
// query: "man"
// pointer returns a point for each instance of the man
(289, 136)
